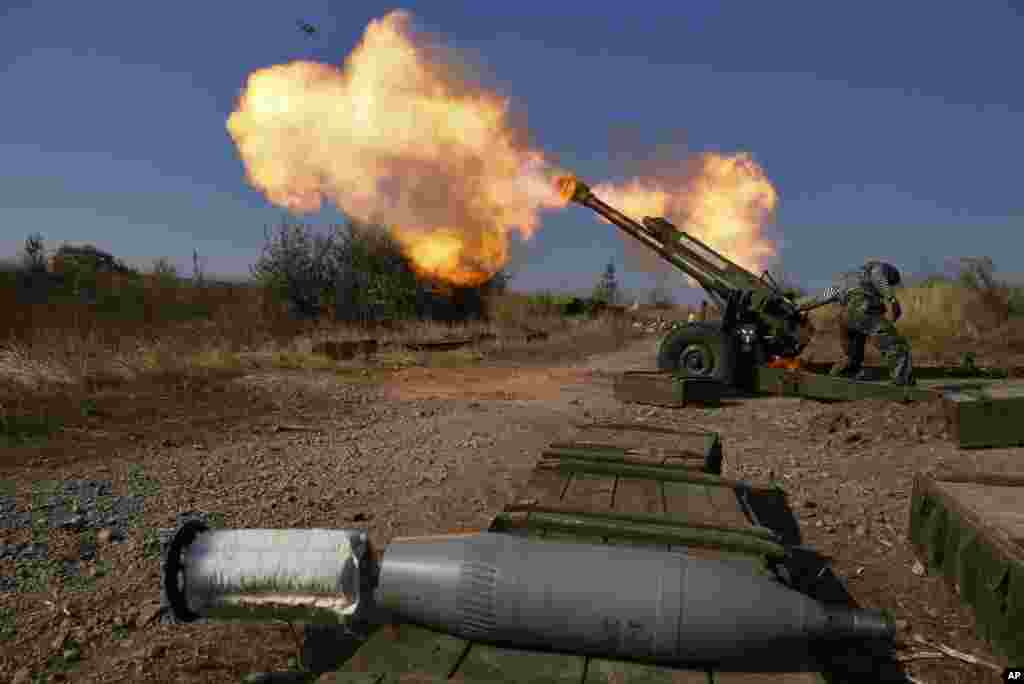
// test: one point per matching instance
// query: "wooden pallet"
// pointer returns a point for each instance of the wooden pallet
(664, 389)
(645, 499)
(970, 528)
(696, 449)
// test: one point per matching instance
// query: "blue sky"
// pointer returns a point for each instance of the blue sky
(890, 130)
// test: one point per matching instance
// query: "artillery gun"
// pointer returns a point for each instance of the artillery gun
(759, 322)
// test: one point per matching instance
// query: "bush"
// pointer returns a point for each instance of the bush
(299, 267)
(547, 303)
(1015, 301)
(361, 273)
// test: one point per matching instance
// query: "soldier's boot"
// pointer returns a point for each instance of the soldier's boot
(852, 343)
(897, 352)
(903, 370)
(843, 369)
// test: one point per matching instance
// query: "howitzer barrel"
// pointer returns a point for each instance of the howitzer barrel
(605, 600)
(715, 273)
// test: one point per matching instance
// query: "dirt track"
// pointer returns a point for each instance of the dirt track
(428, 450)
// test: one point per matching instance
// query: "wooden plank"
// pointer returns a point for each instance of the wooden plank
(602, 671)
(656, 453)
(496, 665)
(545, 487)
(720, 677)
(701, 450)
(637, 427)
(927, 488)
(718, 554)
(588, 488)
(647, 533)
(700, 391)
(407, 648)
(380, 678)
(814, 386)
(688, 501)
(610, 462)
(608, 452)
(727, 506)
(610, 459)
(634, 434)
(634, 495)
(998, 507)
(998, 510)
(665, 389)
(585, 490)
(996, 479)
(353, 678)
(517, 515)
(652, 472)
(658, 389)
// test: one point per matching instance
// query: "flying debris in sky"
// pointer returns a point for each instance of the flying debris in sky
(308, 29)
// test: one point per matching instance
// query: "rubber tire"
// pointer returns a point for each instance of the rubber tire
(719, 346)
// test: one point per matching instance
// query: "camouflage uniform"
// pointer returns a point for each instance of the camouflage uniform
(864, 295)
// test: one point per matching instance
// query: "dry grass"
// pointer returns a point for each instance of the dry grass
(63, 344)
(66, 347)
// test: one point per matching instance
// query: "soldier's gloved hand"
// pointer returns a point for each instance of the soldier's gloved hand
(897, 311)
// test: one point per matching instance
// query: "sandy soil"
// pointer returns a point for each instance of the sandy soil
(418, 451)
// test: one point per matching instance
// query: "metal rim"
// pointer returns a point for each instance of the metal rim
(697, 360)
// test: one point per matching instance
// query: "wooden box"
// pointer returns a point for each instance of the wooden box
(986, 417)
(970, 528)
(664, 389)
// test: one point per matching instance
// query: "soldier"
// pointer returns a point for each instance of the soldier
(866, 295)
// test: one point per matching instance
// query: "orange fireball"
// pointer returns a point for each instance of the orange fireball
(723, 201)
(787, 364)
(396, 135)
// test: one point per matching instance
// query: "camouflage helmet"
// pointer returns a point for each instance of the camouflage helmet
(889, 272)
(892, 274)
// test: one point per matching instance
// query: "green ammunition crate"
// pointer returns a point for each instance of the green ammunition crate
(794, 383)
(986, 416)
(970, 528)
(665, 389)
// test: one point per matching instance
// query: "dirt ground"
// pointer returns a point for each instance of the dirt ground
(411, 452)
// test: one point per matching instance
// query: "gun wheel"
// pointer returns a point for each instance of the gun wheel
(698, 350)
(697, 359)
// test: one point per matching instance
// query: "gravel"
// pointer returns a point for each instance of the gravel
(72, 505)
